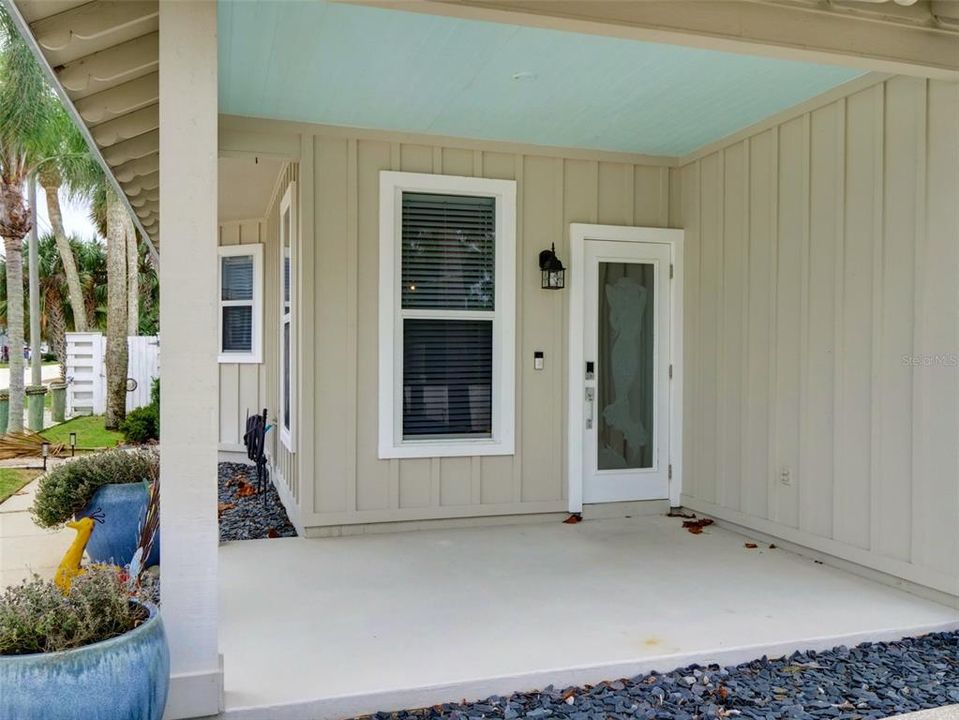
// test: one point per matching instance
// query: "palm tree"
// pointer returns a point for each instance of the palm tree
(26, 104)
(72, 165)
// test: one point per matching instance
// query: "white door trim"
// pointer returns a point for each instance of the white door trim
(579, 233)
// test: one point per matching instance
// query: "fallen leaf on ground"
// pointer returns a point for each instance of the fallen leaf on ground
(573, 519)
(223, 507)
(696, 526)
(751, 546)
(681, 514)
(772, 546)
(271, 533)
(245, 489)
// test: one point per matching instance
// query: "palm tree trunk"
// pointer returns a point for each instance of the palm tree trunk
(74, 289)
(14, 251)
(57, 328)
(116, 359)
(133, 281)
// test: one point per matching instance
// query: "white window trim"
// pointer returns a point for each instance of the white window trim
(391, 443)
(288, 203)
(255, 250)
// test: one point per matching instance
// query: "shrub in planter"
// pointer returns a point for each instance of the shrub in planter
(96, 652)
(111, 485)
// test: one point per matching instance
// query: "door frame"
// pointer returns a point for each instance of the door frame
(579, 233)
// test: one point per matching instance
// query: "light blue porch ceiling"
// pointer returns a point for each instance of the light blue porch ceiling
(344, 64)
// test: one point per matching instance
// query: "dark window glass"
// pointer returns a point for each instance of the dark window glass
(447, 378)
(448, 252)
(238, 328)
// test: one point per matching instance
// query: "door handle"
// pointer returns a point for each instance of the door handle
(588, 407)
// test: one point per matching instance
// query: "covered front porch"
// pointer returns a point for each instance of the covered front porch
(339, 627)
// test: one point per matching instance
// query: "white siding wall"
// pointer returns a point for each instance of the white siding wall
(822, 258)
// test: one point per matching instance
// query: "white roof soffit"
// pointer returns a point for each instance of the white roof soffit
(102, 58)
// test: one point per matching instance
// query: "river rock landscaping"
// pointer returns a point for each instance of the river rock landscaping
(867, 682)
(244, 512)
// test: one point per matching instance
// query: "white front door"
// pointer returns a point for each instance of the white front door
(625, 372)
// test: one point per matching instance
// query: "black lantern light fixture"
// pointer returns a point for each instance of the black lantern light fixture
(73, 444)
(552, 270)
(45, 453)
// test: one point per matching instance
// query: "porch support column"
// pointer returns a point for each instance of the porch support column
(189, 375)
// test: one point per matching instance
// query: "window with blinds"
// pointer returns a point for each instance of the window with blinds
(240, 279)
(445, 242)
(448, 265)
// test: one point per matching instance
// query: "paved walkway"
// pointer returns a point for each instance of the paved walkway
(25, 548)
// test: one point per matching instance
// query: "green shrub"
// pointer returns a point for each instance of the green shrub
(65, 489)
(35, 617)
(141, 425)
(49, 357)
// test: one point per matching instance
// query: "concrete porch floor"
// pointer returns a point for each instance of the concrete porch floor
(332, 628)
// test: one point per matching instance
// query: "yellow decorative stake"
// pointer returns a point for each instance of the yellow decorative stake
(69, 567)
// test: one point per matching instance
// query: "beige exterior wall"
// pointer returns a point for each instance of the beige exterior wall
(350, 485)
(247, 388)
(822, 261)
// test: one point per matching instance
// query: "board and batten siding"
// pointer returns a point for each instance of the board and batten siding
(822, 330)
(247, 388)
(351, 485)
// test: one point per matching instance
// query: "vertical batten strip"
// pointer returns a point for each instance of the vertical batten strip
(744, 379)
(878, 223)
(520, 270)
(663, 196)
(394, 489)
(561, 234)
(840, 345)
(352, 303)
(718, 422)
(305, 462)
(918, 272)
(772, 511)
(804, 310)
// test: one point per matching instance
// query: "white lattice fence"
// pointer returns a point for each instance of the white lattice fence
(86, 372)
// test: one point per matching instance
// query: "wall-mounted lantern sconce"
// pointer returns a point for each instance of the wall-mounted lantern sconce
(552, 270)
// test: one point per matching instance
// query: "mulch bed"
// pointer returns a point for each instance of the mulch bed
(867, 682)
(245, 514)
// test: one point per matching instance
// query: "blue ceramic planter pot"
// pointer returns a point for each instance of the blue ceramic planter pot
(115, 539)
(124, 678)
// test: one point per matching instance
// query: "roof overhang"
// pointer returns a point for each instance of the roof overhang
(905, 37)
(102, 59)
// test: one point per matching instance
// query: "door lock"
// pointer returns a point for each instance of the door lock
(590, 394)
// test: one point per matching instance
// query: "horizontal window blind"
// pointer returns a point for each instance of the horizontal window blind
(236, 277)
(447, 378)
(237, 328)
(448, 252)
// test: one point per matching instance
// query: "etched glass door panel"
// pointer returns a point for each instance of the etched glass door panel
(625, 385)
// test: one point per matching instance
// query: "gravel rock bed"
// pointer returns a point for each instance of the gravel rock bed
(247, 517)
(867, 682)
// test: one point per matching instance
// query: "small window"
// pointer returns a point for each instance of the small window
(447, 283)
(241, 317)
(287, 315)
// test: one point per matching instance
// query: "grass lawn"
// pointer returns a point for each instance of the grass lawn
(90, 433)
(12, 479)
